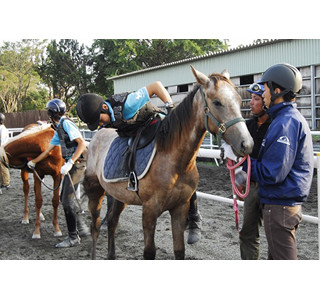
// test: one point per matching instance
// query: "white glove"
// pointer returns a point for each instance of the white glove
(228, 153)
(67, 167)
(240, 176)
(31, 164)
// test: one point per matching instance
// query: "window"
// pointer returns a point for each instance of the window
(247, 79)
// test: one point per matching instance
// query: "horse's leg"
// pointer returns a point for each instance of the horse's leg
(38, 205)
(113, 219)
(26, 188)
(55, 205)
(95, 194)
(149, 221)
(178, 223)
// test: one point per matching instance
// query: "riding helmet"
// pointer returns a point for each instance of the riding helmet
(256, 88)
(2, 118)
(88, 108)
(286, 76)
(55, 107)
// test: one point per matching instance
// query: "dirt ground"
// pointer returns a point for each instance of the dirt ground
(219, 239)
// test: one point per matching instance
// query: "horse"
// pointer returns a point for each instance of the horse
(32, 141)
(172, 178)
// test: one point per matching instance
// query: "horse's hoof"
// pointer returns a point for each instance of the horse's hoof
(25, 222)
(36, 236)
(42, 218)
(57, 233)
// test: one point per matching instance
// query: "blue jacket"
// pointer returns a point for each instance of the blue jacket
(284, 167)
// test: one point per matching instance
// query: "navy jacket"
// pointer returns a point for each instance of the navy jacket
(284, 167)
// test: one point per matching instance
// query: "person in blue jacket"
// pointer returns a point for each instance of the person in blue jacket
(284, 167)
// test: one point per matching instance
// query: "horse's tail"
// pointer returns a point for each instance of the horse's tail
(3, 157)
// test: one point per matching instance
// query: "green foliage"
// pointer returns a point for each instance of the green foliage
(68, 69)
(17, 73)
(115, 57)
(64, 70)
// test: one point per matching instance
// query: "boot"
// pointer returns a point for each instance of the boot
(83, 229)
(194, 226)
(194, 221)
(70, 241)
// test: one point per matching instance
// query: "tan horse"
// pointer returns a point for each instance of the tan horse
(173, 175)
(27, 145)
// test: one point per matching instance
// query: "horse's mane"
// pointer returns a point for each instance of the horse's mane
(29, 131)
(179, 118)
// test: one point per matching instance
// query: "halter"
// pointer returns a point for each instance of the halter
(222, 127)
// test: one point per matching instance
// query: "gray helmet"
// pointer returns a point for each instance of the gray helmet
(286, 76)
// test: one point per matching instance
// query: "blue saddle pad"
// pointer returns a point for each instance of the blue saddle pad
(113, 165)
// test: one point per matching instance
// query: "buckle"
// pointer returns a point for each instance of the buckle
(133, 182)
(222, 128)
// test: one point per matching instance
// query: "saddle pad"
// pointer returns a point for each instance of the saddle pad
(113, 172)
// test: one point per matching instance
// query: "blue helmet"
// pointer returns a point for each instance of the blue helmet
(256, 88)
(55, 107)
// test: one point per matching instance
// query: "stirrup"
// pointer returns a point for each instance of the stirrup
(133, 182)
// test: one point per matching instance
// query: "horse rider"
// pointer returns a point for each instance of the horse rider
(4, 171)
(74, 151)
(122, 110)
(252, 212)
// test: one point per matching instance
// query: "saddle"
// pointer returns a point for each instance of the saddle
(142, 138)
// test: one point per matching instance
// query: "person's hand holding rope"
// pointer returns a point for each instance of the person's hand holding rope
(31, 164)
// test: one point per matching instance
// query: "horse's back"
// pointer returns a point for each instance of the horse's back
(98, 148)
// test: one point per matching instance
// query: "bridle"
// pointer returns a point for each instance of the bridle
(222, 127)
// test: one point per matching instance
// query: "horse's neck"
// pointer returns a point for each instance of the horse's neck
(192, 137)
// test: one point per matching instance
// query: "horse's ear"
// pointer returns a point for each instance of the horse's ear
(225, 73)
(200, 77)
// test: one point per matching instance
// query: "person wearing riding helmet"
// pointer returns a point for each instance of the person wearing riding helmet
(284, 166)
(4, 171)
(122, 110)
(73, 149)
(252, 213)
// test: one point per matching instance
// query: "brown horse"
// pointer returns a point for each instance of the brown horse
(173, 176)
(27, 145)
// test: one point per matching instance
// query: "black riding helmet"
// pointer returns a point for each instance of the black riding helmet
(284, 75)
(55, 107)
(88, 108)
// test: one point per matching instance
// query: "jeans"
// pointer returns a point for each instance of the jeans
(280, 224)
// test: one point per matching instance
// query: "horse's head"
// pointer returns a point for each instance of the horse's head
(222, 111)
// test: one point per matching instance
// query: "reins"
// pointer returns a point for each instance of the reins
(42, 181)
(235, 191)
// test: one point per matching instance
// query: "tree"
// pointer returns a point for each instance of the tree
(64, 70)
(17, 73)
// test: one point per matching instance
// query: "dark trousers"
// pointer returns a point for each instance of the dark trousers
(67, 197)
(252, 222)
(280, 224)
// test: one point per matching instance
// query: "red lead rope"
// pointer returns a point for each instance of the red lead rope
(231, 167)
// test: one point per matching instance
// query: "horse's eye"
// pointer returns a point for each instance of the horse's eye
(216, 102)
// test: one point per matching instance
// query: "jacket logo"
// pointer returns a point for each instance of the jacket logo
(283, 140)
